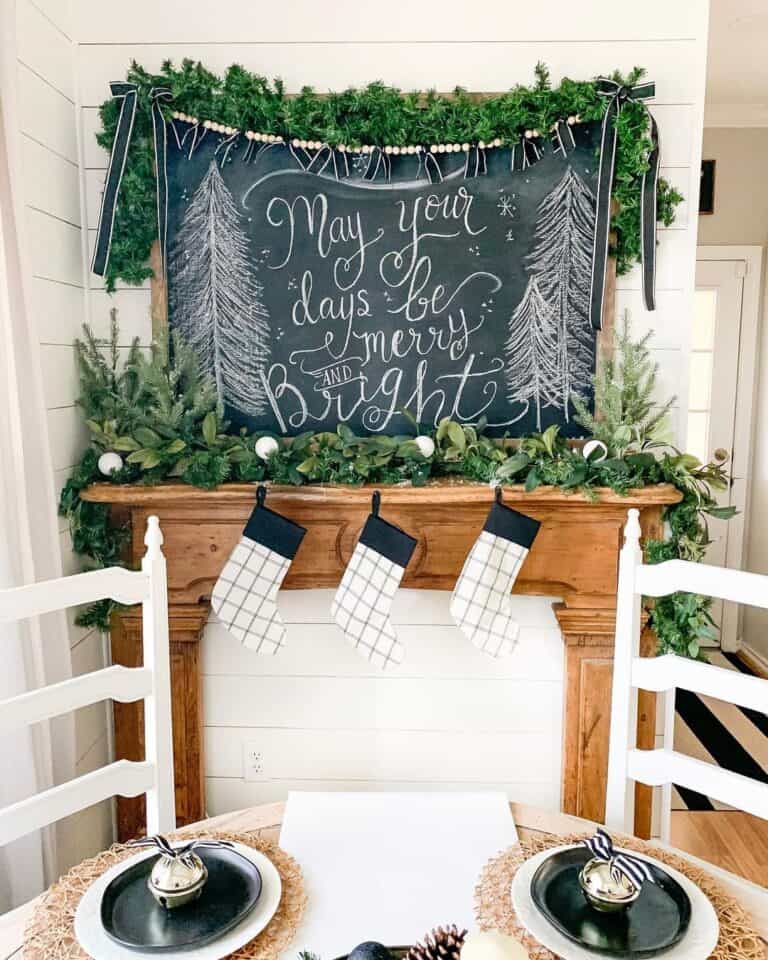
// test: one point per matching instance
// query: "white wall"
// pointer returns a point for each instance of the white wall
(741, 217)
(316, 712)
(45, 158)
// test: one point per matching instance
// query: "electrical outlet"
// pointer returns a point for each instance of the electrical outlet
(253, 762)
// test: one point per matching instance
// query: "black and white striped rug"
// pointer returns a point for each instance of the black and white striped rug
(735, 738)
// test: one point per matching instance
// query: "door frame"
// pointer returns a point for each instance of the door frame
(746, 397)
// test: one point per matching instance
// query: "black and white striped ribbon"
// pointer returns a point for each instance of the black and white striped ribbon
(127, 93)
(635, 870)
(524, 154)
(160, 96)
(618, 95)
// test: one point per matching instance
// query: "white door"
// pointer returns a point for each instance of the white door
(721, 386)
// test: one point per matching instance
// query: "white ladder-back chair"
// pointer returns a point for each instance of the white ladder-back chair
(150, 683)
(664, 766)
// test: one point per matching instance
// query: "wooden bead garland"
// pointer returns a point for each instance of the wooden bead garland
(366, 149)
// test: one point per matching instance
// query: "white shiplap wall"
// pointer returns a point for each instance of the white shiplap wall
(48, 162)
(316, 713)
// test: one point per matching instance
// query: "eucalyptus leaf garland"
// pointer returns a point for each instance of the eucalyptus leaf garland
(377, 114)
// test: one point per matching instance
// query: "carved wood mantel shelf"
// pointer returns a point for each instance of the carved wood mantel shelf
(574, 558)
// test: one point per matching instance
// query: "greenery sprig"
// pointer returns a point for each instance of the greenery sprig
(161, 413)
(376, 114)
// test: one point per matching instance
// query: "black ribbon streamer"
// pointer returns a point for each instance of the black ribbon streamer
(127, 93)
(618, 95)
(159, 96)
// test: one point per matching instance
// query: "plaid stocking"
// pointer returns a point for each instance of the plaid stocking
(480, 602)
(364, 598)
(245, 595)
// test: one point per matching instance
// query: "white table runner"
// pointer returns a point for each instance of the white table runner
(389, 866)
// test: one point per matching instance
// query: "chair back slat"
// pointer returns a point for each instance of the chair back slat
(670, 672)
(661, 579)
(124, 684)
(664, 767)
(35, 599)
(150, 683)
(124, 778)
(657, 767)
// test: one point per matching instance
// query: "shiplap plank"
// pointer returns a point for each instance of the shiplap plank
(411, 65)
(94, 187)
(54, 248)
(133, 314)
(46, 115)
(305, 20)
(675, 133)
(670, 374)
(43, 48)
(384, 754)
(57, 310)
(335, 703)
(50, 182)
(434, 651)
(68, 436)
(223, 794)
(664, 321)
(94, 156)
(410, 607)
(674, 264)
(59, 12)
(60, 378)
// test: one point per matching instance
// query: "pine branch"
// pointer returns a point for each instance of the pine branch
(627, 413)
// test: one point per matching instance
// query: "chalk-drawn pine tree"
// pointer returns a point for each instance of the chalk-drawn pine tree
(215, 301)
(532, 368)
(562, 264)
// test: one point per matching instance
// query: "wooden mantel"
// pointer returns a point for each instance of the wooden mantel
(574, 558)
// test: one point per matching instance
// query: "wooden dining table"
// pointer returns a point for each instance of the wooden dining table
(266, 820)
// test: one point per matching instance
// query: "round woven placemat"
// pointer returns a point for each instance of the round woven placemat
(50, 934)
(494, 910)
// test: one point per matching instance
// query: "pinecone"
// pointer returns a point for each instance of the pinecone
(440, 944)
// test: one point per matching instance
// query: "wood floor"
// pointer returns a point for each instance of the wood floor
(733, 840)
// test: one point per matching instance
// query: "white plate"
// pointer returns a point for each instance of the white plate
(93, 938)
(698, 942)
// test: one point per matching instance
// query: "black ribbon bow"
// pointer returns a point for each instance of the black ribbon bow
(618, 95)
(634, 869)
(128, 93)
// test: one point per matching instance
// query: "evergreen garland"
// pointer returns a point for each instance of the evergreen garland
(376, 114)
(161, 413)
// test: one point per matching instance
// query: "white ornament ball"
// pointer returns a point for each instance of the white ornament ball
(109, 463)
(590, 447)
(492, 945)
(426, 445)
(266, 447)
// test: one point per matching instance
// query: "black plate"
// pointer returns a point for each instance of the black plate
(656, 921)
(132, 917)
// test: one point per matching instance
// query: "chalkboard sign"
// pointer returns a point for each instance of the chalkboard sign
(324, 288)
